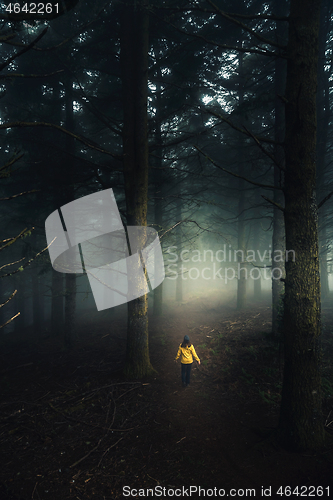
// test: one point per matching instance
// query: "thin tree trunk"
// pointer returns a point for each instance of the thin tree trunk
(256, 246)
(179, 243)
(70, 280)
(242, 275)
(242, 267)
(70, 306)
(36, 302)
(57, 305)
(300, 424)
(20, 298)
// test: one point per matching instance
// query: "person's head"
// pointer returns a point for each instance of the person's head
(186, 341)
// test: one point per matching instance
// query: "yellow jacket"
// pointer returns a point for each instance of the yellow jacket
(187, 354)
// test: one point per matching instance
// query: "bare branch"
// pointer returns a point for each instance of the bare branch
(267, 153)
(239, 129)
(21, 75)
(20, 194)
(84, 99)
(265, 186)
(25, 49)
(324, 200)
(244, 26)
(170, 229)
(277, 205)
(6, 38)
(10, 241)
(247, 50)
(10, 320)
(12, 263)
(27, 263)
(271, 17)
(11, 162)
(89, 143)
(10, 298)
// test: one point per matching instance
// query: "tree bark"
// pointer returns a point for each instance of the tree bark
(257, 295)
(300, 424)
(179, 244)
(158, 181)
(158, 291)
(278, 239)
(323, 119)
(134, 45)
(70, 306)
(57, 305)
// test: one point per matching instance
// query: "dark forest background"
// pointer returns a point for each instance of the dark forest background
(212, 123)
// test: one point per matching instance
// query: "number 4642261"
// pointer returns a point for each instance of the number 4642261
(33, 8)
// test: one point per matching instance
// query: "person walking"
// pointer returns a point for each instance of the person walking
(186, 352)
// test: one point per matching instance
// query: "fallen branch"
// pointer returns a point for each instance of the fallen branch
(106, 451)
(16, 368)
(94, 449)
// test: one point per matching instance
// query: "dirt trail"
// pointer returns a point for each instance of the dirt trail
(218, 435)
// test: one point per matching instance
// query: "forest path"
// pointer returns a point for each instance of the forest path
(207, 428)
(214, 428)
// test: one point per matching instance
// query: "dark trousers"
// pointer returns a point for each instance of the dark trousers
(186, 373)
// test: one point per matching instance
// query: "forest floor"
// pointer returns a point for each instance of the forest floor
(71, 427)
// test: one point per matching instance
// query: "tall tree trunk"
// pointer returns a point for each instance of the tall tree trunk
(36, 305)
(158, 183)
(158, 291)
(300, 424)
(256, 247)
(242, 275)
(70, 280)
(323, 119)
(324, 249)
(278, 239)
(242, 267)
(134, 69)
(2, 300)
